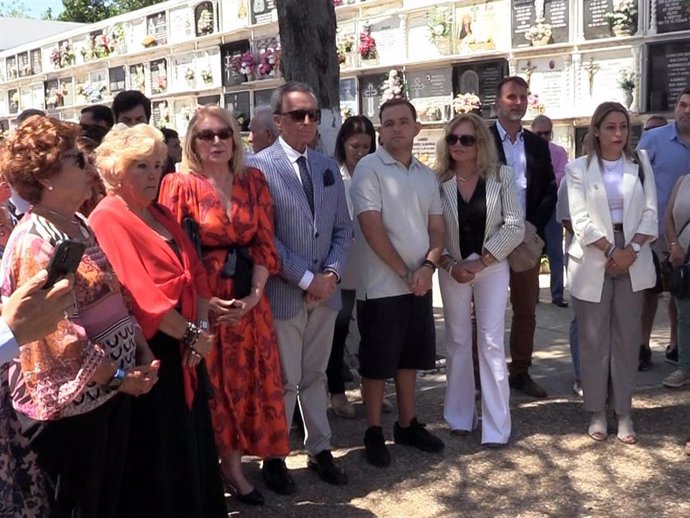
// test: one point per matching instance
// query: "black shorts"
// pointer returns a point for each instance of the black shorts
(396, 333)
(659, 286)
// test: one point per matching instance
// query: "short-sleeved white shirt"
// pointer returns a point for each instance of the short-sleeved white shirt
(405, 197)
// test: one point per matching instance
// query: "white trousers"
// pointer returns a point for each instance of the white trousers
(305, 346)
(490, 290)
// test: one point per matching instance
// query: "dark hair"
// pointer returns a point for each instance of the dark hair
(169, 133)
(511, 79)
(685, 91)
(655, 121)
(93, 132)
(28, 113)
(397, 102)
(101, 113)
(357, 124)
(128, 100)
(289, 87)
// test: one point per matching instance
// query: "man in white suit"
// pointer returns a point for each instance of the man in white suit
(313, 233)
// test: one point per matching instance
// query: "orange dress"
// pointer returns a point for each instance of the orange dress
(248, 408)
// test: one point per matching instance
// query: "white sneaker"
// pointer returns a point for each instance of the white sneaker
(341, 406)
(577, 388)
(677, 378)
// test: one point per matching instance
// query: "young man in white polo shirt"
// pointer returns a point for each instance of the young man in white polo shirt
(399, 237)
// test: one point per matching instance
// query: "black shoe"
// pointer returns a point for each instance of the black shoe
(251, 498)
(671, 355)
(645, 358)
(560, 303)
(417, 435)
(524, 383)
(326, 467)
(277, 477)
(375, 447)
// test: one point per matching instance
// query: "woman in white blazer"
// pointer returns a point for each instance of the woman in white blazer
(484, 224)
(612, 201)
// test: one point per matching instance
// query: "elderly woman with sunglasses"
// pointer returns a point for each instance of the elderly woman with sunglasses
(69, 387)
(484, 224)
(172, 464)
(232, 205)
(613, 209)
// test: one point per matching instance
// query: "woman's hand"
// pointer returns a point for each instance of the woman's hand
(141, 379)
(621, 260)
(239, 308)
(677, 255)
(219, 307)
(461, 274)
(475, 266)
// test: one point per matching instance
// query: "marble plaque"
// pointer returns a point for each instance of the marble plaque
(137, 77)
(555, 12)
(238, 103)
(208, 100)
(263, 11)
(603, 85)
(669, 74)
(182, 114)
(431, 93)
(24, 65)
(36, 61)
(388, 34)
(672, 15)
(11, 71)
(424, 147)
(37, 97)
(184, 76)
(13, 101)
(370, 96)
(161, 117)
(136, 34)
(263, 97)
(228, 52)
(419, 44)
(234, 15)
(156, 26)
(159, 76)
(67, 86)
(482, 27)
(181, 24)
(117, 79)
(482, 79)
(349, 101)
(53, 94)
(594, 23)
(208, 68)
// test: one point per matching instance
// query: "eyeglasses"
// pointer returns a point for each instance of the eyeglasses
(465, 140)
(210, 135)
(543, 134)
(80, 158)
(299, 115)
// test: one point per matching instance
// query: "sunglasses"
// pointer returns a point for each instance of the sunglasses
(210, 135)
(465, 140)
(300, 115)
(80, 158)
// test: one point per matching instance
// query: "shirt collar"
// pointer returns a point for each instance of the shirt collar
(291, 152)
(386, 158)
(504, 134)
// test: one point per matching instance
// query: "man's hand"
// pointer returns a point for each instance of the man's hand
(421, 281)
(323, 286)
(32, 313)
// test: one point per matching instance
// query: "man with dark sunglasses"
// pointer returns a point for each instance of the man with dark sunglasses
(530, 159)
(313, 233)
(543, 127)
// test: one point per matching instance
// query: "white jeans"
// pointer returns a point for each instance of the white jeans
(490, 290)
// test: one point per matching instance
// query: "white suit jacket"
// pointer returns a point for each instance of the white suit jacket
(591, 220)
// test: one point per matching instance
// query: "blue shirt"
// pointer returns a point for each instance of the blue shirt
(9, 348)
(669, 155)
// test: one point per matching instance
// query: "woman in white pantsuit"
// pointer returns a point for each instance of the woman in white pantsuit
(484, 224)
(613, 209)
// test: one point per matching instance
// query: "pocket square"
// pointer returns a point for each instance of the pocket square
(328, 178)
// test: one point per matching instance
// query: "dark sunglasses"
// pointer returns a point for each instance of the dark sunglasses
(465, 140)
(299, 115)
(80, 158)
(543, 133)
(210, 136)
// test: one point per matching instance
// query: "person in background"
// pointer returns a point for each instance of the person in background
(399, 237)
(70, 387)
(171, 463)
(263, 132)
(542, 126)
(172, 141)
(355, 139)
(610, 264)
(668, 148)
(484, 224)
(29, 112)
(91, 137)
(97, 115)
(131, 107)
(233, 207)
(529, 157)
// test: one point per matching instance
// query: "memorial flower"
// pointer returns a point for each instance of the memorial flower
(207, 75)
(438, 21)
(393, 87)
(205, 23)
(15, 99)
(623, 17)
(626, 80)
(539, 32)
(344, 46)
(102, 46)
(62, 56)
(267, 60)
(247, 63)
(27, 70)
(189, 74)
(467, 103)
(54, 98)
(92, 94)
(367, 44)
(149, 41)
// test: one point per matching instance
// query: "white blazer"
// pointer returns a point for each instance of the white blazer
(505, 223)
(591, 220)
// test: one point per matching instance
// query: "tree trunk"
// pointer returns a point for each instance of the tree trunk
(308, 54)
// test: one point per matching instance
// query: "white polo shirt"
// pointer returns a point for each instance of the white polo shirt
(405, 197)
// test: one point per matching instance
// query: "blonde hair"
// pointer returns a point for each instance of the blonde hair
(602, 111)
(191, 161)
(487, 157)
(122, 147)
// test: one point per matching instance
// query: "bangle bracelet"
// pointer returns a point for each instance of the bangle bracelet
(610, 251)
(449, 267)
(191, 334)
(672, 244)
(429, 264)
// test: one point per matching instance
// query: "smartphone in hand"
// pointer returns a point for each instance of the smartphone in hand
(68, 254)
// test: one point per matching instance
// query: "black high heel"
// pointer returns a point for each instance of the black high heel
(254, 497)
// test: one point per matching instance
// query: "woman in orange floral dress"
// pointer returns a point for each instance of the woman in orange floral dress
(244, 366)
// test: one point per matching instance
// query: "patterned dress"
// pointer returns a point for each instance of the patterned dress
(244, 366)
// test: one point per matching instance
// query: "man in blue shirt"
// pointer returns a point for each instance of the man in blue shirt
(31, 313)
(668, 148)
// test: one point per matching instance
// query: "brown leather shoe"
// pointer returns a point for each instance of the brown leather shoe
(524, 383)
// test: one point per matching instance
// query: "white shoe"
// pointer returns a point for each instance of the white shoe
(341, 406)
(577, 388)
(677, 378)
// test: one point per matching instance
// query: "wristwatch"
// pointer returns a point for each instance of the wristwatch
(203, 325)
(636, 247)
(117, 379)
